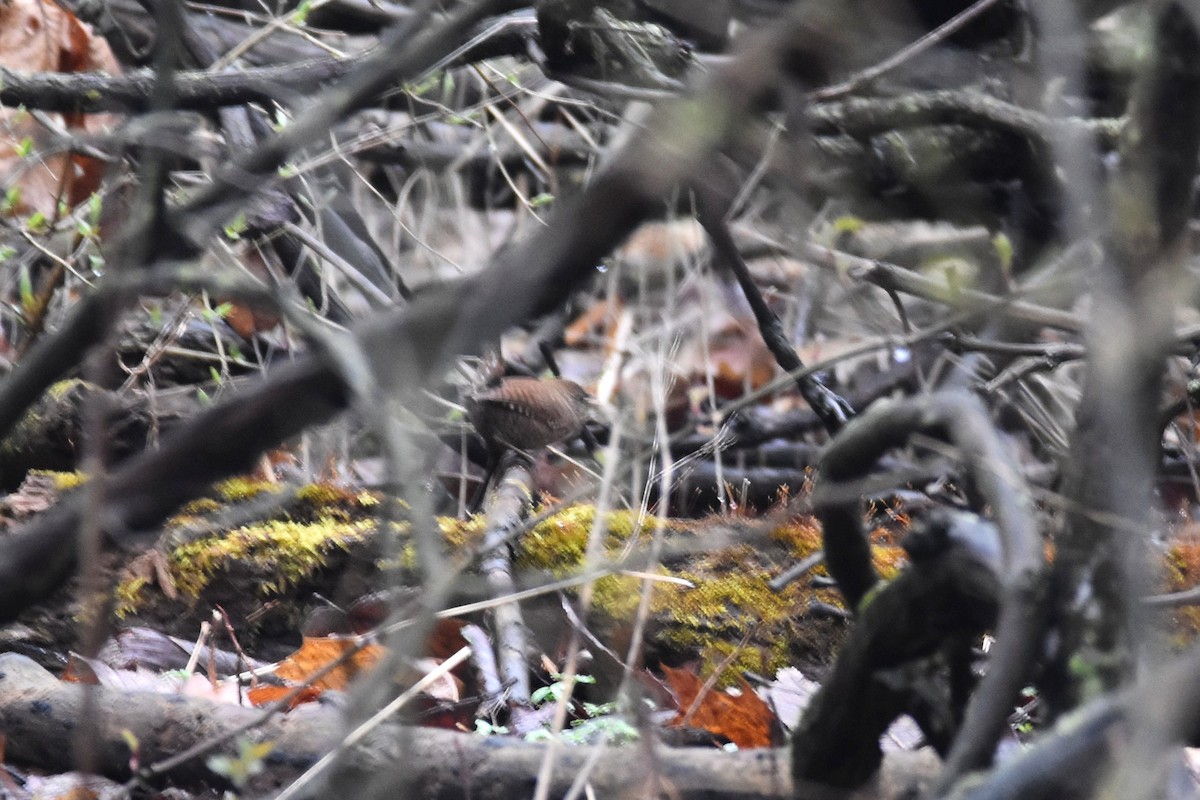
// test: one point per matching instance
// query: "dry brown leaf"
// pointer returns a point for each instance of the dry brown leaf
(657, 247)
(445, 639)
(39, 36)
(37, 493)
(153, 568)
(446, 688)
(739, 359)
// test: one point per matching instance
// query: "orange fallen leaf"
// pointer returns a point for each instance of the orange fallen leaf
(743, 719)
(261, 696)
(445, 639)
(317, 653)
(248, 320)
(596, 319)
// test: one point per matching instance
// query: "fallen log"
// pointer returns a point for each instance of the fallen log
(39, 714)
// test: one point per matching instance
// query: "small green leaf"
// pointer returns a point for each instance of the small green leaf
(25, 284)
(300, 15)
(37, 223)
(280, 119)
(25, 147)
(419, 89)
(870, 596)
(543, 199)
(235, 229)
(847, 224)
(1004, 251)
(485, 728)
(246, 764)
(12, 198)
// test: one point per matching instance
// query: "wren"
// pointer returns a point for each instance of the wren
(528, 414)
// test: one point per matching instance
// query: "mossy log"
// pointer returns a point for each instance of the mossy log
(53, 432)
(712, 606)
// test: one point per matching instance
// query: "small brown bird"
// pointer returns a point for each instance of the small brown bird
(528, 414)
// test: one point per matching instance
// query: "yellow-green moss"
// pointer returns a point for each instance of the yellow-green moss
(618, 596)
(887, 556)
(129, 595)
(323, 495)
(722, 610)
(283, 553)
(801, 536)
(236, 490)
(1182, 571)
(63, 481)
(61, 389)
(461, 534)
(758, 657)
(559, 543)
(199, 507)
